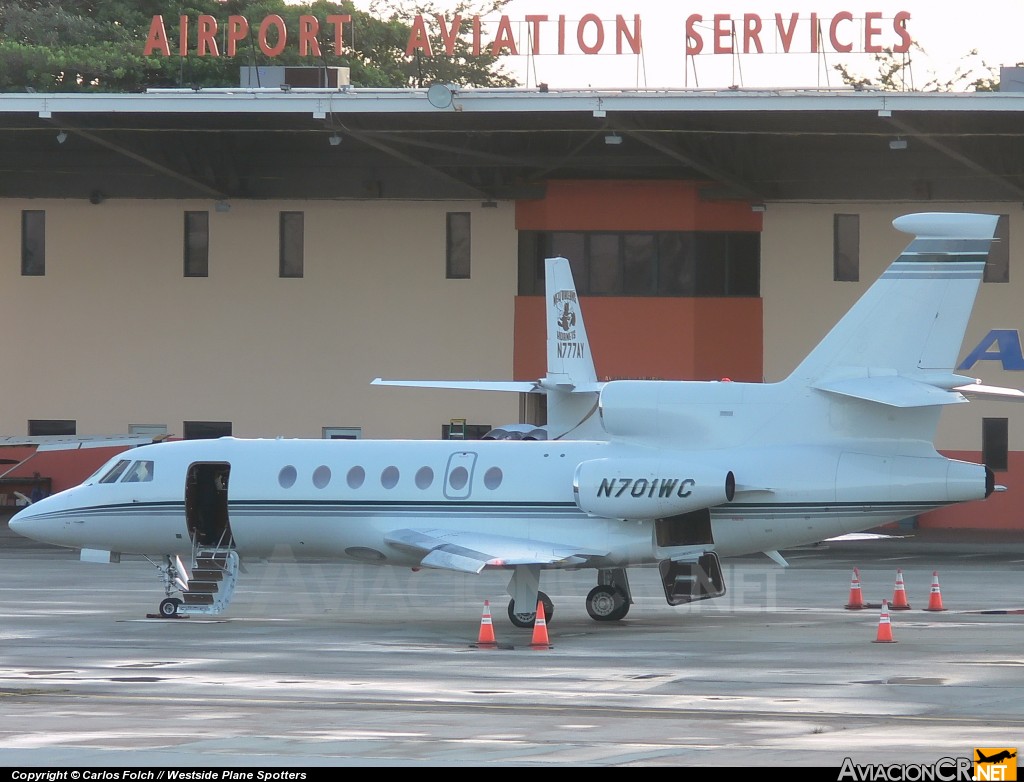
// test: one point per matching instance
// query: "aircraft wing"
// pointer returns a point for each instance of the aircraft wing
(471, 552)
(994, 393)
(520, 386)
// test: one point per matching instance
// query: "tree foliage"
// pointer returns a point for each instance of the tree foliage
(98, 45)
(895, 73)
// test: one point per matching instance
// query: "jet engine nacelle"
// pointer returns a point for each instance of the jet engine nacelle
(648, 488)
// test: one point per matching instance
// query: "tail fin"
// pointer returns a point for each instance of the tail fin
(571, 380)
(899, 343)
(570, 362)
(570, 383)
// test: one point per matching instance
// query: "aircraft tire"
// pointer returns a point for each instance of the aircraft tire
(169, 607)
(607, 604)
(527, 619)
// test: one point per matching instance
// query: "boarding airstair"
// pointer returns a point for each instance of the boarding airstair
(208, 586)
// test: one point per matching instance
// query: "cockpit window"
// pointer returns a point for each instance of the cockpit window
(142, 470)
(115, 472)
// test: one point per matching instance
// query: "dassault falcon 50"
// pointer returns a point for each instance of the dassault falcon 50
(670, 475)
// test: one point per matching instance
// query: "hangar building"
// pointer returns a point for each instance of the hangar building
(246, 261)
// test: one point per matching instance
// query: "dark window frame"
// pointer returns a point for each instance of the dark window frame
(292, 245)
(33, 243)
(846, 247)
(205, 430)
(995, 443)
(997, 269)
(458, 254)
(49, 427)
(679, 264)
(196, 250)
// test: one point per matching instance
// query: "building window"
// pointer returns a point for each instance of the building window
(846, 248)
(995, 443)
(197, 244)
(666, 263)
(206, 430)
(998, 267)
(33, 242)
(156, 431)
(43, 427)
(342, 432)
(292, 231)
(457, 246)
(472, 431)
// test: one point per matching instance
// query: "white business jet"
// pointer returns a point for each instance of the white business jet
(666, 474)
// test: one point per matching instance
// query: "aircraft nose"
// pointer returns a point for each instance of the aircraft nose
(21, 522)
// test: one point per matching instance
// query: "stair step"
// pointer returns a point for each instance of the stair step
(193, 599)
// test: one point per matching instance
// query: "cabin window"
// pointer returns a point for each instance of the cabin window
(458, 478)
(140, 472)
(355, 477)
(492, 478)
(424, 477)
(33, 242)
(197, 244)
(846, 248)
(286, 478)
(115, 472)
(322, 476)
(389, 477)
(457, 246)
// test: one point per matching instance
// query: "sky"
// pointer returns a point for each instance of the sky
(946, 30)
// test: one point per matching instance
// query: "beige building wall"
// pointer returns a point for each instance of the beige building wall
(114, 334)
(802, 301)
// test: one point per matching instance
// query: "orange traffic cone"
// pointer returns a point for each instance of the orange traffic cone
(935, 598)
(540, 629)
(899, 596)
(856, 600)
(884, 627)
(486, 637)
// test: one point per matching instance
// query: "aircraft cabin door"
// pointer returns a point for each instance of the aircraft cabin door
(458, 476)
(206, 504)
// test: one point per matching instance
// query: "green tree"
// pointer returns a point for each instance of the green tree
(97, 45)
(895, 72)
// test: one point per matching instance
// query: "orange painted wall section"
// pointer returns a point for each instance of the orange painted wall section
(632, 206)
(649, 337)
(1001, 511)
(65, 468)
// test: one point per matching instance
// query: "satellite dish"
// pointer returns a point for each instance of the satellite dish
(440, 96)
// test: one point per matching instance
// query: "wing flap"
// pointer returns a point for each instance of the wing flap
(892, 390)
(471, 552)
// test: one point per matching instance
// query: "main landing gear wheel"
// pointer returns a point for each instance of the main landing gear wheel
(527, 619)
(607, 604)
(169, 607)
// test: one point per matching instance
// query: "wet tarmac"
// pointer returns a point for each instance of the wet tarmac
(326, 664)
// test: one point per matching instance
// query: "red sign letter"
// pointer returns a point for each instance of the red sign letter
(282, 35)
(207, 37)
(842, 16)
(504, 38)
(418, 38)
(338, 21)
(621, 32)
(723, 32)
(238, 28)
(899, 24)
(599, 42)
(694, 43)
(157, 38)
(752, 32)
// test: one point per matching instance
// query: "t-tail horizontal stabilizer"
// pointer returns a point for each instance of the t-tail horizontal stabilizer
(898, 344)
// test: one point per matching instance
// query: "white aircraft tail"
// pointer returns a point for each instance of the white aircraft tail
(570, 381)
(898, 345)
